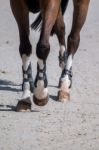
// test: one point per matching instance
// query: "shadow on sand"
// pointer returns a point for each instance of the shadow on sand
(7, 108)
(9, 86)
(10, 108)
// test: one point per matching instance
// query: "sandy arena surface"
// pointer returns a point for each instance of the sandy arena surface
(56, 126)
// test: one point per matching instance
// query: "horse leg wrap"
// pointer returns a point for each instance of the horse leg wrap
(29, 78)
(62, 56)
(27, 86)
(66, 75)
(41, 92)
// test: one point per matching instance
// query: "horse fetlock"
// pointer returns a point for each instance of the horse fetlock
(26, 86)
(30, 86)
(26, 93)
(40, 91)
(40, 94)
(65, 83)
(64, 89)
(66, 76)
(41, 88)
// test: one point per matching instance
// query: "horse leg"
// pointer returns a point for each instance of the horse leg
(21, 15)
(49, 14)
(59, 29)
(79, 17)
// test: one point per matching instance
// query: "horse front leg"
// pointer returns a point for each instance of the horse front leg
(21, 15)
(79, 17)
(49, 14)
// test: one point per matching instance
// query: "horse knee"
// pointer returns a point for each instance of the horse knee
(25, 48)
(42, 50)
(73, 42)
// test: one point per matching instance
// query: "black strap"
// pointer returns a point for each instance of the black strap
(29, 78)
(44, 77)
(67, 72)
(63, 58)
(28, 71)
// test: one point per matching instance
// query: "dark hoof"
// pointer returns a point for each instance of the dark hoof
(24, 105)
(40, 102)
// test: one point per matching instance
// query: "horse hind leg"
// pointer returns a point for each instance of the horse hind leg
(59, 29)
(49, 15)
(21, 15)
(79, 16)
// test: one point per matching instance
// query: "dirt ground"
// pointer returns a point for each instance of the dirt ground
(56, 126)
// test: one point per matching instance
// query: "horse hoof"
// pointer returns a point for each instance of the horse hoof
(63, 96)
(41, 102)
(24, 105)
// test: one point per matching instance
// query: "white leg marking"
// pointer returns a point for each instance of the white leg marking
(69, 62)
(65, 83)
(25, 61)
(40, 91)
(62, 50)
(41, 65)
(26, 89)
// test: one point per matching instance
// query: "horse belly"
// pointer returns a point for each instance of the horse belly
(33, 5)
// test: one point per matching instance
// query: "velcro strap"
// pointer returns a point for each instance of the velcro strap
(67, 72)
(64, 57)
(28, 71)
